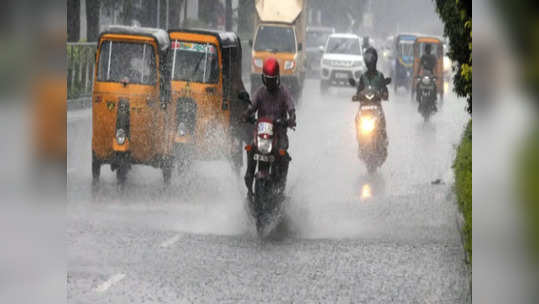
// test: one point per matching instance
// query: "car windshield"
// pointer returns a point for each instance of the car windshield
(194, 62)
(343, 46)
(127, 62)
(275, 39)
(406, 48)
(317, 38)
(434, 49)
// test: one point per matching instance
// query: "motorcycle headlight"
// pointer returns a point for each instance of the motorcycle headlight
(264, 145)
(426, 80)
(258, 62)
(182, 129)
(121, 136)
(289, 64)
(367, 124)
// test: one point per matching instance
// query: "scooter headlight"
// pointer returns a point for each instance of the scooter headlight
(426, 80)
(264, 145)
(121, 136)
(367, 124)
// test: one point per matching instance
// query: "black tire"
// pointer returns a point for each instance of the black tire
(167, 174)
(371, 167)
(324, 86)
(121, 175)
(96, 169)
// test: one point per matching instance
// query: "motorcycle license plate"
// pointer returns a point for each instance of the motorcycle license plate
(264, 158)
(341, 75)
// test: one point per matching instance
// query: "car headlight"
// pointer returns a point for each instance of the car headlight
(326, 62)
(182, 129)
(264, 145)
(426, 80)
(367, 124)
(121, 136)
(289, 64)
(258, 62)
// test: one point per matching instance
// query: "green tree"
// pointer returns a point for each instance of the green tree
(457, 18)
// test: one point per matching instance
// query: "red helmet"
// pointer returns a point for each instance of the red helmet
(270, 73)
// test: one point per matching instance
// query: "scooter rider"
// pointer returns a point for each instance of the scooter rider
(427, 64)
(274, 101)
(374, 78)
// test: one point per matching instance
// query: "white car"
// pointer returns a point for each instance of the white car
(342, 60)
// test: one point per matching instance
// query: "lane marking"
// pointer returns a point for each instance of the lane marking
(108, 283)
(170, 241)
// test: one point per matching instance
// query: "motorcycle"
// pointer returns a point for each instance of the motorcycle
(265, 205)
(370, 127)
(426, 92)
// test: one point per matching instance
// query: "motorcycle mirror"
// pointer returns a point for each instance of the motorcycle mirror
(244, 96)
(352, 82)
(388, 80)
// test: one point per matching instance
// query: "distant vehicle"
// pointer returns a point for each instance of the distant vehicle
(342, 59)
(404, 61)
(316, 38)
(280, 33)
(437, 51)
(388, 56)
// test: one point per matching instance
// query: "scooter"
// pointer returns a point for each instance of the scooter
(426, 92)
(370, 127)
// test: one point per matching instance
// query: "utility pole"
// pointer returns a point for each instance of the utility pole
(228, 15)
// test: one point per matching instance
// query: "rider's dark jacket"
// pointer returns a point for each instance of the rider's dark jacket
(275, 105)
(375, 78)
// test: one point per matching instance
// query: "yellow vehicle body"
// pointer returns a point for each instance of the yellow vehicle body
(277, 21)
(204, 108)
(143, 116)
(437, 50)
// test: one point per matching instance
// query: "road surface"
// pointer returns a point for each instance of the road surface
(346, 237)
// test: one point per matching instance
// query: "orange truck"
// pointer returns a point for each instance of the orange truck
(280, 33)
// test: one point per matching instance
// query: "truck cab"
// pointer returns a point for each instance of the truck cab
(280, 33)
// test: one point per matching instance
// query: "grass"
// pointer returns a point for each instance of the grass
(527, 187)
(463, 185)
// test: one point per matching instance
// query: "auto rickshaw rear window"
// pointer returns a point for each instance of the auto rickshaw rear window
(434, 48)
(127, 62)
(194, 62)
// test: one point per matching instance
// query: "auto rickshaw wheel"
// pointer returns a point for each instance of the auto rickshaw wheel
(96, 168)
(167, 174)
(121, 174)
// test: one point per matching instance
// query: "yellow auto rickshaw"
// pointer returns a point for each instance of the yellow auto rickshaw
(129, 102)
(437, 50)
(205, 76)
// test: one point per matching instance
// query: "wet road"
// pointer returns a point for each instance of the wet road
(346, 238)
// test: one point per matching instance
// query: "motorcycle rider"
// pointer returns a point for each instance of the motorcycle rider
(374, 78)
(428, 61)
(272, 100)
(427, 64)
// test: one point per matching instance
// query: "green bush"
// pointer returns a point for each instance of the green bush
(463, 185)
